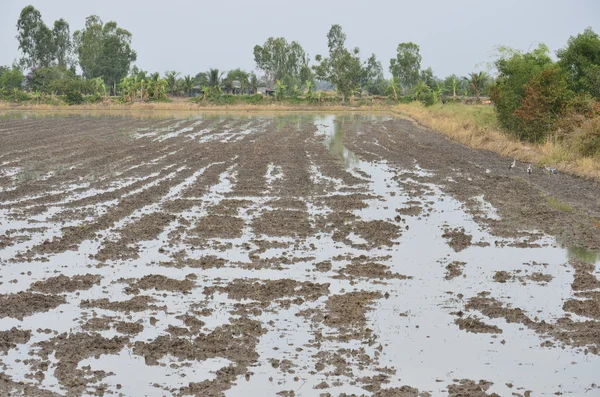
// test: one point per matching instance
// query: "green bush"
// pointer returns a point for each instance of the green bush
(428, 98)
(515, 70)
(546, 98)
(74, 98)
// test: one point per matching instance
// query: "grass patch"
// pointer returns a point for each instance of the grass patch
(558, 205)
(476, 126)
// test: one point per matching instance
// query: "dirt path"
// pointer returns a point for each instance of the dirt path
(289, 255)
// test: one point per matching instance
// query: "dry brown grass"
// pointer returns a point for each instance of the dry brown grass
(475, 126)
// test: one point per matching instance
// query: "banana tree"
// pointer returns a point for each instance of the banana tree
(309, 91)
(279, 90)
(100, 87)
(394, 85)
(142, 86)
(420, 89)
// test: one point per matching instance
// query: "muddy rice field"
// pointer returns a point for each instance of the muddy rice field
(288, 255)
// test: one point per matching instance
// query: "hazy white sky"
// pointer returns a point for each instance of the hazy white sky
(192, 36)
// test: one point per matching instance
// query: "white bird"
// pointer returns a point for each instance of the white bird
(513, 164)
(529, 170)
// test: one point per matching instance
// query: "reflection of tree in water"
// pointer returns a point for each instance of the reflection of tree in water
(583, 255)
(335, 144)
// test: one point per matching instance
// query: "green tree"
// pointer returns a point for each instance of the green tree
(581, 60)
(426, 76)
(104, 50)
(406, 65)
(10, 79)
(52, 79)
(342, 68)
(546, 97)
(278, 59)
(372, 80)
(452, 84)
(236, 75)
(515, 70)
(253, 83)
(35, 39)
(63, 46)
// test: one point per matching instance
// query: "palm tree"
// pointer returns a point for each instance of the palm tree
(214, 77)
(188, 84)
(477, 82)
(171, 78)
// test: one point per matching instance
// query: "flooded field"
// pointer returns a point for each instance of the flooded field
(288, 255)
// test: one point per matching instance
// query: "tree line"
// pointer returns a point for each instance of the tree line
(102, 54)
(533, 95)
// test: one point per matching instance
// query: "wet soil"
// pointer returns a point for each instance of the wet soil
(235, 255)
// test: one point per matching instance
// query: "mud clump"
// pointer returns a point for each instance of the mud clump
(404, 391)
(270, 290)
(219, 226)
(454, 269)
(587, 308)
(205, 262)
(23, 304)
(476, 326)
(378, 233)
(502, 276)
(129, 328)
(70, 349)
(135, 304)
(541, 277)
(347, 313)
(414, 210)
(236, 342)
(61, 284)
(10, 388)
(458, 239)
(468, 388)
(584, 279)
(369, 270)
(283, 223)
(13, 337)
(160, 283)
(324, 266)
(348, 202)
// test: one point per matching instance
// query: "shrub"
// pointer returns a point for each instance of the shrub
(585, 139)
(74, 98)
(515, 70)
(545, 101)
(428, 98)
